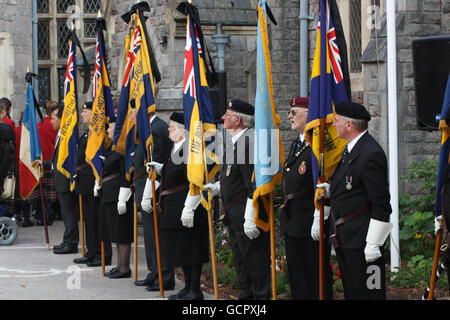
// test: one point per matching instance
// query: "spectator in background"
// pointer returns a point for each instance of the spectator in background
(5, 105)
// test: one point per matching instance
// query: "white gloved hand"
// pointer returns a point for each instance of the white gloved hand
(147, 196)
(124, 196)
(437, 224)
(156, 165)
(376, 235)
(97, 188)
(315, 228)
(187, 215)
(214, 187)
(326, 187)
(250, 228)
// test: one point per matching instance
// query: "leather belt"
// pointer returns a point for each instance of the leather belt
(110, 177)
(352, 215)
(235, 200)
(294, 195)
(174, 190)
(78, 168)
(139, 174)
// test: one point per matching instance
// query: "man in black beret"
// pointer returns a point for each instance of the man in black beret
(297, 214)
(360, 207)
(249, 244)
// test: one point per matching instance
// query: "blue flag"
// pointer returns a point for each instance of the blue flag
(445, 147)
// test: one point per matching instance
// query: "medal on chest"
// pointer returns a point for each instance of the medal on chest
(348, 182)
(228, 172)
(302, 168)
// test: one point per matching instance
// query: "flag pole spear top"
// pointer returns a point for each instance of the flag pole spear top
(28, 69)
(99, 14)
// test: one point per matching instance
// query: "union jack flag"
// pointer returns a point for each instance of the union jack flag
(70, 70)
(189, 73)
(131, 56)
(98, 70)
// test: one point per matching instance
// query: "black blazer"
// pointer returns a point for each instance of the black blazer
(62, 183)
(366, 167)
(298, 215)
(174, 175)
(85, 179)
(236, 177)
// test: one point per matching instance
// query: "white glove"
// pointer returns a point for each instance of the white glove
(326, 188)
(124, 196)
(214, 187)
(315, 228)
(376, 235)
(97, 188)
(156, 165)
(147, 196)
(250, 228)
(437, 224)
(187, 215)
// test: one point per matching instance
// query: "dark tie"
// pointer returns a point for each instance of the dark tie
(298, 145)
(344, 154)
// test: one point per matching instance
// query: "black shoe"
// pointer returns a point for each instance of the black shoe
(81, 260)
(98, 263)
(28, 223)
(110, 272)
(155, 286)
(194, 296)
(67, 249)
(179, 296)
(148, 281)
(59, 246)
(119, 274)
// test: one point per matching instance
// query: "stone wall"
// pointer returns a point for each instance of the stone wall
(16, 51)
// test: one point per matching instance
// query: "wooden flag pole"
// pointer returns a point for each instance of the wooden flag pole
(80, 202)
(321, 233)
(158, 253)
(103, 258)
(272, 247)
(44, 214)
(135, 251)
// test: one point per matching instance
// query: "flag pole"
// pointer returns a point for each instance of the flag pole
(211, 233)
(135, 248)
(80, 201)
(44, 214)
(435, 261)
(272, 247)
(103, 257)
(321, 204)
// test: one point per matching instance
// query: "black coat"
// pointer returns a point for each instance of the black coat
(114, 163)
(62, 183)
(298, 215)
(236, 179)
(85, 179)
(174, 175)
(366, 167)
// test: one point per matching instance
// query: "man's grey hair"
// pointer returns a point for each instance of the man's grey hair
(360, 124)
(247, 120)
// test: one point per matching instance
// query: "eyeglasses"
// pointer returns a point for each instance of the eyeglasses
(230, 115)
(293, 112)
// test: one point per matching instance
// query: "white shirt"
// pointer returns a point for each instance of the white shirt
(152, 118)
(301, 137)
(237, 136)
(352, 143)
(177, 145)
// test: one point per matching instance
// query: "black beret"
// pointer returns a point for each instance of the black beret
(177, 117)
(299, 102)
(87, 105)
(241, 107)
(112, 120)
(352, 110)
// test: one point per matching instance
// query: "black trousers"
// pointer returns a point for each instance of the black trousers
(69, 215)
(148, 226)
(252, 263)
(302, 256)
(362, 280)
(91, 222)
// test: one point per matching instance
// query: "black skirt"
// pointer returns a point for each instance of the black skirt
(114, 227)
(187, 246)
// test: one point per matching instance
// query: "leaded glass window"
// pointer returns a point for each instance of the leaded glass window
(44, 85)
(63, 5)
(89, 28)
(91, 6)
(355, 36)
(63, 36)
(61, 78)
(42, 6)
(43, 40)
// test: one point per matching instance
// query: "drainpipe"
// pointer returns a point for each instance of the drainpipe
(35, 47)
(304, 17)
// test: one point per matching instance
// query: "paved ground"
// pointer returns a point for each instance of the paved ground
(29, 271)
